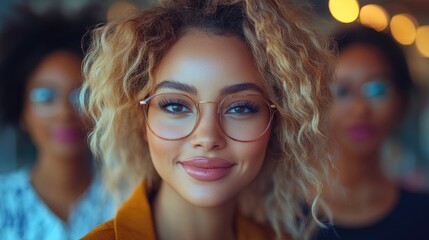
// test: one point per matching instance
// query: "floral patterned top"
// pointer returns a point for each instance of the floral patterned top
(23, 215)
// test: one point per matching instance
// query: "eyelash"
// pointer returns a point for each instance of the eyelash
(246, 104)
(163, 104)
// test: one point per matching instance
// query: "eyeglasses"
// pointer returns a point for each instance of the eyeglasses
(242, 117)
(46, 100)
(375, 93)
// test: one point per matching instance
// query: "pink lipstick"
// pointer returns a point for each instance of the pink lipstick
(67, 134)
(207, 169)
(361, 131)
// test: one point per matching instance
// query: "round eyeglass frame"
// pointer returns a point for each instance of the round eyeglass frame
(145, 103)
(48, 110)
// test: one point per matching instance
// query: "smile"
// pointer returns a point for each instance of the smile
(207, 169)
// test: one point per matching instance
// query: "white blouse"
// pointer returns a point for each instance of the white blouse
(24, 216)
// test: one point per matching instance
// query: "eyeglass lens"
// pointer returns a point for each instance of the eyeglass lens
(374, 92)
(241, 117)
(46, 99)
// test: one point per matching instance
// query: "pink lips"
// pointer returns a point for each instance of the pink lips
(207, 169)
(361, 131)
(67, 134)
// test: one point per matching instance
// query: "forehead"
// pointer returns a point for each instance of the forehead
(360, 63)
(59, 69)
(204, 60)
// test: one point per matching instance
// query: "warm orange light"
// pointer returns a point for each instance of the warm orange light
(375, 16)
(403, 28)
(422, 40)
(120, 9)
(345, 11)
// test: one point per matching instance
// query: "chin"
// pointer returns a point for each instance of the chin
(206, 197)
(363, 149)
(71, 150)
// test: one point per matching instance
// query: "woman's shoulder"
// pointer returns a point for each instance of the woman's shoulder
(105, 231)
(408, 220)
(414, 204)
(14, 183)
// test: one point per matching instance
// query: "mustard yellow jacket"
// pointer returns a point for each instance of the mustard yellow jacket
(133, 221)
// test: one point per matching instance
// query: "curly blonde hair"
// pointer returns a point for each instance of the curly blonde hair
(296, 66)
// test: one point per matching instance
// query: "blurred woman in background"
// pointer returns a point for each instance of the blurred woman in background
(59, 197)
(371, 95)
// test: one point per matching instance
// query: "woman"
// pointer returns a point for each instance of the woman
(371, 95)
(218, 107)
(59, 197)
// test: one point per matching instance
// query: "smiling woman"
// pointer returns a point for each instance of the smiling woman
(215, 109)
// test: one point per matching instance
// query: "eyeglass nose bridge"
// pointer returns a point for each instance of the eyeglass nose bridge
(212, 102)
(199, 115)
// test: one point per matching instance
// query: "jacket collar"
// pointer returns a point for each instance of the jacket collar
(134, 221)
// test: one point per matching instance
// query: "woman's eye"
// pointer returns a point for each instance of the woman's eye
(340, 91)
(242, 108)
(174, 106)
(239, 110)
(375, 89)
(42, 95)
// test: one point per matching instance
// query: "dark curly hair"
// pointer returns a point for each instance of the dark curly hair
(25, 39)
(391, 51)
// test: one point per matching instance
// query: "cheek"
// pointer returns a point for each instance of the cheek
(36, 127)
(161, 151)
(336, 118)
(252, 154)
(388, 116)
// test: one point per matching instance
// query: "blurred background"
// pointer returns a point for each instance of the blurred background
(406, 154)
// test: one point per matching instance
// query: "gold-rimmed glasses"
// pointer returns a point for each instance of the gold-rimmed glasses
(174, 116)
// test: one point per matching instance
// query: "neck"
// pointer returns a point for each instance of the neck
(175, 218)
(354, 171)
(365, 195)
(70, 174)
(61, 181)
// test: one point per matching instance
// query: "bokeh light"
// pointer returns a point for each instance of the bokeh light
(345, 11)
(403, 28)
(374, 16)
(120, 9)
(422, 40)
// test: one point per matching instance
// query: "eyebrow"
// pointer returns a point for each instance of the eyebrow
(223, 92)
(178, 86)
(239, 88)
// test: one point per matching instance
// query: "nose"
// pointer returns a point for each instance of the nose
(207, 135)
(359, 107)
(66, 109)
